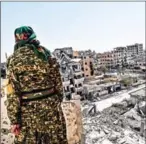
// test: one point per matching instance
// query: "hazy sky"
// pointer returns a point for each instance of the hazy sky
(99, 26)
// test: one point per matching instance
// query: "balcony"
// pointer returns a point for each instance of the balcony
(67, 93)
(66, 83)
(78, 73)
(79, 89)
(80, 80)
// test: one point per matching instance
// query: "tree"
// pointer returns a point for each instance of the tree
(126, 81)
(104, 69)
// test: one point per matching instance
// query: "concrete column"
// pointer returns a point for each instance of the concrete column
(143, 128)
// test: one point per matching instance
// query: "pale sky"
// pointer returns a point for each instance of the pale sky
(98, 26)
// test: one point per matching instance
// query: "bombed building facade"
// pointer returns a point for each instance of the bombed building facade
(71, 71)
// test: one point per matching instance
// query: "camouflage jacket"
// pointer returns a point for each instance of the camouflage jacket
(26, 72)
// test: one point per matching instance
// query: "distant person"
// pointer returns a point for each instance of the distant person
(34, 102)
(3, 73)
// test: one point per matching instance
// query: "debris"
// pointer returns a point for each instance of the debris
(132, 114)
(97, 135)
(116, 122)
(106, 142)
(121, 124)
(122, 141)
(142, 107)
(143, 128)
(92, 111)
(114, 136)
(106, 131)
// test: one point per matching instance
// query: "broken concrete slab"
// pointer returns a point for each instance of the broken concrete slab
(101, 105)
(133, 114)
(134, 124)
(142, 107)
(114, 136)
(96, 135)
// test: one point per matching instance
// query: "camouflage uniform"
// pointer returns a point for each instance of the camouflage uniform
(41, 119)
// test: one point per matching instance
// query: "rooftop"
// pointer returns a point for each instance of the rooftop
(76, 60)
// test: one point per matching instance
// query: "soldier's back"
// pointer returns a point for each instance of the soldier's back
(32, 72)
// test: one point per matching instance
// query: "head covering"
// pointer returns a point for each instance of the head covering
(25, 35)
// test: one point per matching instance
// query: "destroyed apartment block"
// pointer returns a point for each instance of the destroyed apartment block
(72, 75)
(95, 90)
(87, 61)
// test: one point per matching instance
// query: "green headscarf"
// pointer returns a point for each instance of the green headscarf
(25, 35)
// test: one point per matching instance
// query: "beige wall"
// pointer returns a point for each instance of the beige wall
(86, 66)
(75, 54)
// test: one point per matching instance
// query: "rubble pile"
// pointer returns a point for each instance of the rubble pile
(119, 124)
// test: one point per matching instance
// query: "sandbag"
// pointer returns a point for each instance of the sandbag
(72, 113)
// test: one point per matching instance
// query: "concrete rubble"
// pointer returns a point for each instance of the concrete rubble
(119, 124)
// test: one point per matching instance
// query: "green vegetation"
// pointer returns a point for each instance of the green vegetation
(127, 81)
(104, 69)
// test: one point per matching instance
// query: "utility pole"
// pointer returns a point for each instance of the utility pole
(6, 56)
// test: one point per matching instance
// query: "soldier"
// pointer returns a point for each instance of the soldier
(35, 92)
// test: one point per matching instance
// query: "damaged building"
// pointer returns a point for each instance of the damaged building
(72, 74)
(87, 61)
(67, 50)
